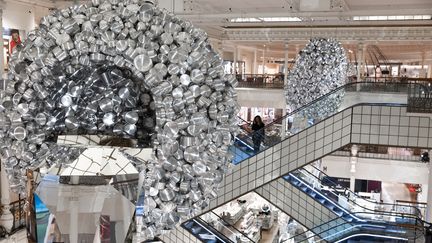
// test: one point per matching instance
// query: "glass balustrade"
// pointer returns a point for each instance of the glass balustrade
(318, 185)
(303, 117)
(337, 231)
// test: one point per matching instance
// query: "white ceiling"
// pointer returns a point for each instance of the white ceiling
(286, 6)
(393, 51)
(213, 16)
(388, 4)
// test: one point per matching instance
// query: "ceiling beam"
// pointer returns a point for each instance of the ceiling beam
(364, 34)
(229, 15)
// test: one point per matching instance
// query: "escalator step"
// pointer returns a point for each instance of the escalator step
(196, 229)
(330, 206)
(347, 218)
(338, 212)
(321, 200)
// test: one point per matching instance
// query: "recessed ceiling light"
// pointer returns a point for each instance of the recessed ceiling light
(392, 17)
(265, 19)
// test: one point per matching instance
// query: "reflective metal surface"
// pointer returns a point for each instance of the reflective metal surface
(319, 68)
(128, 69)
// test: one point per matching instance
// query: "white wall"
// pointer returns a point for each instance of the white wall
(352, 98)
(173, 6)
(18, 16)
(378, 170)
(247, 57)
(272, 98)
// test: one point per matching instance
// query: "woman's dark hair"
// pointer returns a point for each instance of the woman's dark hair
(259, 120)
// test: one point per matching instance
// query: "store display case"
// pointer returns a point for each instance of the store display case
(233, 213)
(251, 219)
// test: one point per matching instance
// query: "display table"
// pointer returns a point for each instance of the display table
(233, 213)
(266, 220)
(253, 233)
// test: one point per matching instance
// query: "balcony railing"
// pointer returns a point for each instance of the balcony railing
(276, 81)
(267, 81)
(410, 158)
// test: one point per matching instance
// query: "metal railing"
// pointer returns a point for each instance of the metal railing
(410, 158)
(335, 230)
(274, 133)
(18, 213)
(353, 201)
(276, 81)
(421, 206)
(224, 228)
(420, 97)
(268, 81)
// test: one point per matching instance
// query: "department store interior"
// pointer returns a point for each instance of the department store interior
(229, 121)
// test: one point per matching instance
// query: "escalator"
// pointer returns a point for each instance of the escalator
(210, 228)
(350, 218)
(204, 232)
(333, 231)
(309, 141)
(312, 141)
(343, 202)
(243, 144)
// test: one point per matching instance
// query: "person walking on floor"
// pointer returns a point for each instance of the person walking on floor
(258, 133)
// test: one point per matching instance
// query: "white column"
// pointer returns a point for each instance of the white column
(359, 61)
(97, 238)
(363, 59)
(1, 43)
(423, 72)
(239, 59)
(255, 64)
(6, 219)
(264, 60)
(429, 195)
(286, 64)
(73, 219)
(353, 161)
(429, 74)
(235, 60)
(284, 121)
(359, 64)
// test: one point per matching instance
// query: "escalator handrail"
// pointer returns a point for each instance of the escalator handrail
(238, 117)
(356, 194)
(338, 112)
(330, 93)
(416, 227)
(326, 95)
(403, 215)
(352, 225)
(212, 230)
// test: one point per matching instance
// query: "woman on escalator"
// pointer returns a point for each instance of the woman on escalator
(258, 133)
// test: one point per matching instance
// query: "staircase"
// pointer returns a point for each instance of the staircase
(349, 126)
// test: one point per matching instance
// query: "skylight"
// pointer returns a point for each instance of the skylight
(265, 19)
(395, 17)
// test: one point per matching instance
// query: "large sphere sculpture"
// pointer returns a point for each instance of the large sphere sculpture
(126, 69)
(319, 68)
